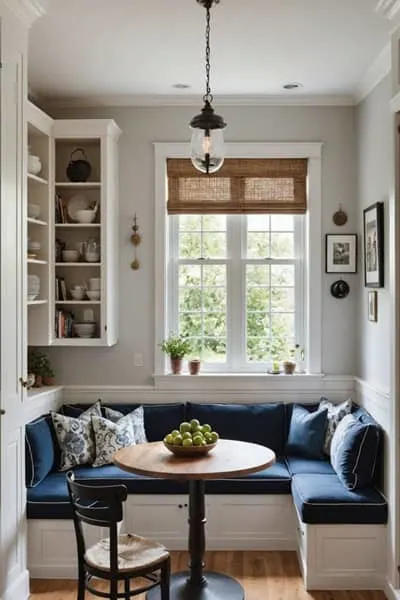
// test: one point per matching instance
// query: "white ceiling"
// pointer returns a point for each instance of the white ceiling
(102, 50)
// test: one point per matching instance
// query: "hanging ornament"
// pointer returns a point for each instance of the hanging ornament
(136, 240)
(340, 217)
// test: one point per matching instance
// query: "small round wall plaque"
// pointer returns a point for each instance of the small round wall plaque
(340, 289)
(340, 217)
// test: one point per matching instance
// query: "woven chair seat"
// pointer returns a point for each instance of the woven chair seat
(134, 553)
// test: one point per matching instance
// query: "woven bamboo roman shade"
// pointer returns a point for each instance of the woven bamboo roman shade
(258, 186)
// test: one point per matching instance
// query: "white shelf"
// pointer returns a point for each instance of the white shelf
(78, 184)
(77, 225)
(37, 179)
(78, 302)
(78, 264)
(36, 221)
(36, 302)
(36, 261)
(77, 341)
(42, 392)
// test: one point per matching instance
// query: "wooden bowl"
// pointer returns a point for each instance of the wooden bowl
(190, 451)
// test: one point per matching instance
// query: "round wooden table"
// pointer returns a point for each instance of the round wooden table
(228, 459)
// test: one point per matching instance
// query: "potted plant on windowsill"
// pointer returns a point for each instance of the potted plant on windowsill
(39, 365)
(176, 346)
(289, 365)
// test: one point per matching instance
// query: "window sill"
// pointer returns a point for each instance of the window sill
(247, 382)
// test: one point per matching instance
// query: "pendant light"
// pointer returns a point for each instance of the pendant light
(207, 144)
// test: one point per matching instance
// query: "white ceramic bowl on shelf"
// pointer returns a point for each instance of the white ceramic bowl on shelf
(34, 164)
(85, 330)
(34, 246)
(85, 216)
(77, 294)
(33, 211)
(93, 294)
(70, 255)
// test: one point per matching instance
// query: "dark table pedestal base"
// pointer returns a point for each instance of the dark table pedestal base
(218, 587)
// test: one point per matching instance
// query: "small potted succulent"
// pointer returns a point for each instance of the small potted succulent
(176, 346)
(194, 366)
(289, 365)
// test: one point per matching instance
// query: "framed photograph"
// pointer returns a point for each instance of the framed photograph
(341, 253)
(373, 306)
(373, 246)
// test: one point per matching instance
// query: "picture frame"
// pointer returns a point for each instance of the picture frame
(341, 253)
(373, 306)
(373, 246)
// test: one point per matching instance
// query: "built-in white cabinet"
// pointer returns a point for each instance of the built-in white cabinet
(72, 231)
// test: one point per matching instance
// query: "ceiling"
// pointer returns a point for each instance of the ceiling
(124, 51)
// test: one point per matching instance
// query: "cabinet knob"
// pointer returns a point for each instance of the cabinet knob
(2, 412)
(24, 382)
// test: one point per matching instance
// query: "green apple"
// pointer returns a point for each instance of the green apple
(184, 427)
(175, 432)
(178, 440)
(214, 437)
(187, 442)
(169, 439)
(206, 428)
(187, 435)
(194, 424)
(208, 437)
(198, 440)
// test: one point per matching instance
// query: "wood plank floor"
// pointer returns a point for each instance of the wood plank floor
(264, 576)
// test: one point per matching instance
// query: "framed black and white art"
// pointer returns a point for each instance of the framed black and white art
(341, 253)
(373, 246)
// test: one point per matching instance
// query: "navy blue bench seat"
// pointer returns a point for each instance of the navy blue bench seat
(318, 493)
(323, 499)
(49, 499)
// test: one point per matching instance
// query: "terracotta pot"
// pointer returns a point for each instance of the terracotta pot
(194, 367)
(176, 365)
(38, 381)
(48, 381)
(289, 367)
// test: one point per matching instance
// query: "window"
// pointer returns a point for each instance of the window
(231, 267)
(235, 287)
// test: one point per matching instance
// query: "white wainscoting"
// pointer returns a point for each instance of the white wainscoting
(220, 388)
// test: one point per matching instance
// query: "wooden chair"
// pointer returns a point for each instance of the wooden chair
(119, 557)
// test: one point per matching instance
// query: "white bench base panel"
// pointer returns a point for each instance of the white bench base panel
(332, 557)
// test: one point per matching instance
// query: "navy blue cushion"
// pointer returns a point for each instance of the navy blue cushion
(304, 466)
(354, 451)
(306, 433)
(39, 450)
(49, 500)
(323, 499)
(274, 480)
(258, 423)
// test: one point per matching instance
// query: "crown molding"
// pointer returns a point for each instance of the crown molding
(389, 9)
(376, 72)
(27, 11)
(133, 100)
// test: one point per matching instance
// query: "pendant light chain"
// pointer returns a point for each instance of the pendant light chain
(208, 95)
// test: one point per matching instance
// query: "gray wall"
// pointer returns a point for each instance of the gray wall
(374, 155)
(140, 127)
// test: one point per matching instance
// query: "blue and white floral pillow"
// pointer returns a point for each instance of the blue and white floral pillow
(111, 437)
(75, 437)
(336, 412)
(137, 417)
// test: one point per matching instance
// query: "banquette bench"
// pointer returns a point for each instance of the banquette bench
(298, 503)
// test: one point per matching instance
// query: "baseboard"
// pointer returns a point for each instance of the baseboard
(390, 592)
(19, 589)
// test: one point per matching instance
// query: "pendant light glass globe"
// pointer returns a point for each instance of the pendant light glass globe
(207, 149)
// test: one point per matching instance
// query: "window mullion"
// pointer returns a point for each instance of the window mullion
(235, 288)
(299, 287)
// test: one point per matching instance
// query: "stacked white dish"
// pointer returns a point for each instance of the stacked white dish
(33, 287)
(93, 294)
(33, 211)
(85, 330)
(94, 284)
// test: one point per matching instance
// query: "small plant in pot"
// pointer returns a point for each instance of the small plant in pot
(194, 366)
(39, 365)
(176, 346)
(289, 365)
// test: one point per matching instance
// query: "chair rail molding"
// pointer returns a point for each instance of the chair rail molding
(27, 11)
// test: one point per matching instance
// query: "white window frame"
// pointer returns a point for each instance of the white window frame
(313, 247)
(236, 262)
